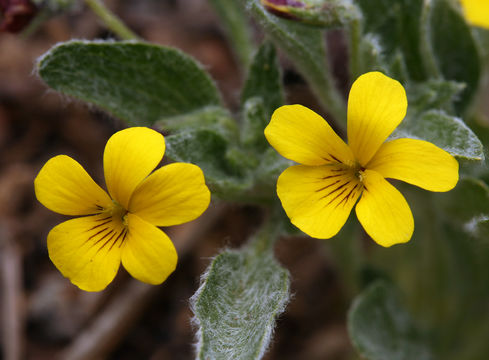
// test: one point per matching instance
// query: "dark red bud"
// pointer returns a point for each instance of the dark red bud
(16, 14)
(292, 3)
(281, 7)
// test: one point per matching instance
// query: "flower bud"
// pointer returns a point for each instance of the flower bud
(321, 13)
(16, 14)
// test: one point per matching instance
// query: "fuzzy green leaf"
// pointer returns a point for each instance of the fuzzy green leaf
(445, 131)
(235, 307)
(264, 80)
(432, 94)
(208, 149)
(397, 30)
(267, 172)
(305, 46)
(235, 23)
(372, 55)
(215, 118)
(255, 119)
(381, 328)
(479, 229)
(468, 202)
(137, 82)
(481, 37)
(454, 49)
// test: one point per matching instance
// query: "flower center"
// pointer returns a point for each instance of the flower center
(359, 170)
(119, 213)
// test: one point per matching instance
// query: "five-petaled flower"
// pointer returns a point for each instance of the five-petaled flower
(121, 227)
(318, 195)
(476, 12)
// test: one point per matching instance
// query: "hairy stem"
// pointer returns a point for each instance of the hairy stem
(112, 22)
(355, 32)
(268, 233)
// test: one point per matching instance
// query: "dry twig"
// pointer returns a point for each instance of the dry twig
(11, 298)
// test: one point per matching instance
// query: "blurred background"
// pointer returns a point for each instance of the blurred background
(44, 316)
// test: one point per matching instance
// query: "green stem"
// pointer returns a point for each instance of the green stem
(266, 236)
(235, 22)
(355, 30)
(329, 95)
(112, 22)
(430, 63)
(347, 253)
(36, 23)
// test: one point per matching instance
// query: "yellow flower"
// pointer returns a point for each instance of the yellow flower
(121, 227)
(476, 12)
(319, 194)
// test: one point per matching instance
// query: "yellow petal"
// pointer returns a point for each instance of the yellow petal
(383, 212)
(172, 195)
(64, 186)
(148, 254)
(130, 155)
(87, 250)
(318, 199)
(301, 135)
(416, 162)
(376, 106)
(477, 12)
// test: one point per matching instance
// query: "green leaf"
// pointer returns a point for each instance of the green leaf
(480, 229)
(214, 118)
(396, 25)
(381, 329)
(235, 23)
(264, 80)
(469, 201)
(243, 160)
(454, 49)
(445, 131)
(267, 172)
(372, 54)
(137, 82)
(261, 95)
(481, 37)
(208, 149)
(432, 94)
(235, 307)
(305, 46)
(255, 119)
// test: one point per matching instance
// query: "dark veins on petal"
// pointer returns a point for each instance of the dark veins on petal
(339, 188)
(105, 232)
(345, 199)
(335, 190)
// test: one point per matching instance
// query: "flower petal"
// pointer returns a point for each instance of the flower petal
(376, 106)
(172, 195)
(318, 199)
(301, 135)
(130, 155)
(477, 12)
(148, 254)
(87, 250)
(383, 212)
(64, 186)
(416, 162)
